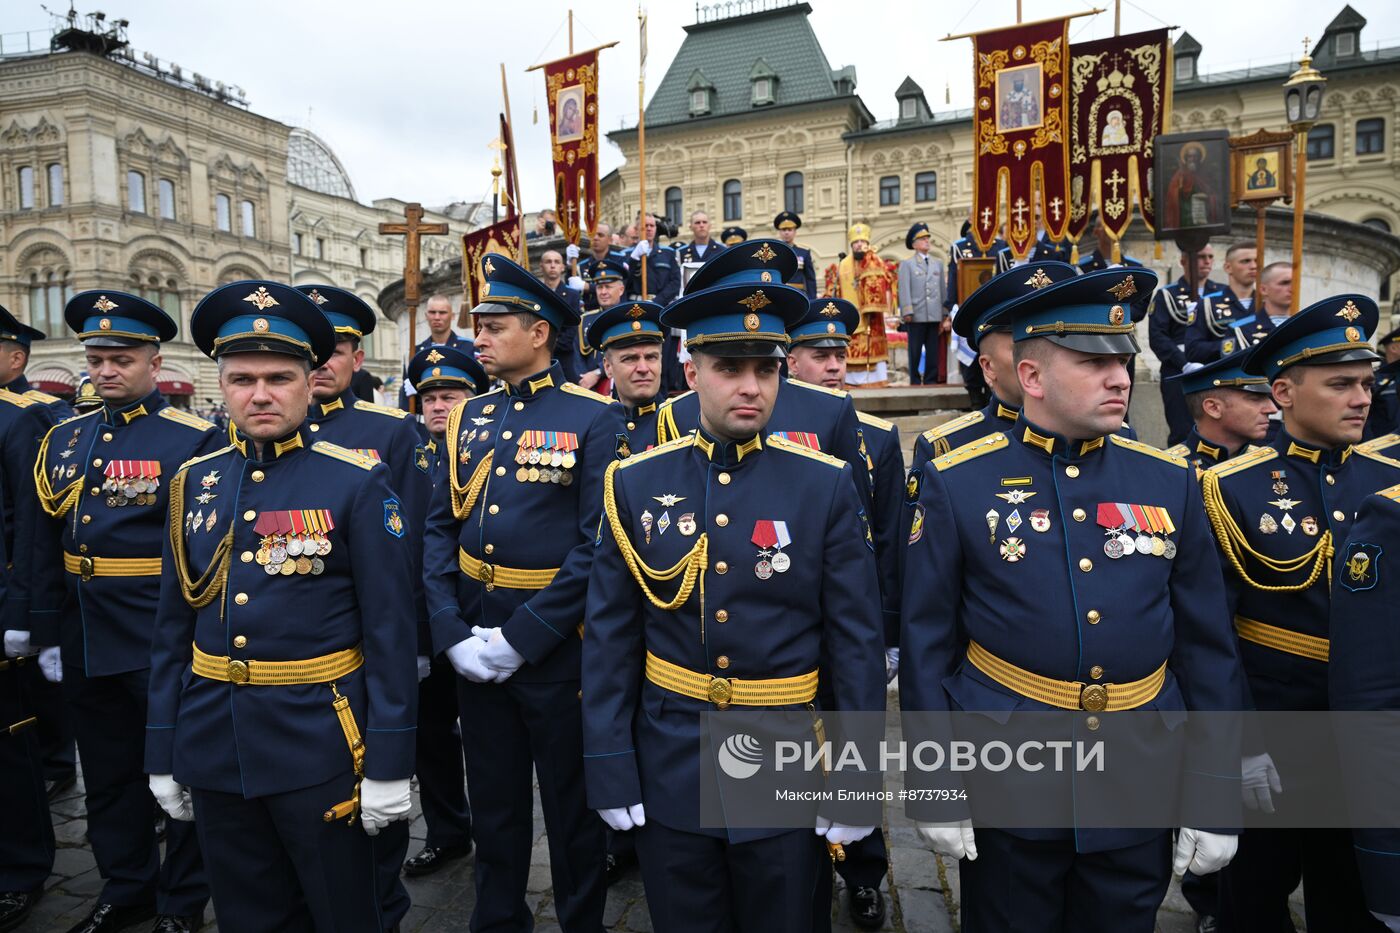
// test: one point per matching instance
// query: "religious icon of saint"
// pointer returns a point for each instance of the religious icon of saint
(1020, 103)
(1191, 201)
(1114, 132)
(570, 120)
(1261, 179)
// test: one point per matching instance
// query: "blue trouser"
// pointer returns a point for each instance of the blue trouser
(109, 721)
(442, 787)
(275, 866)
(704, 884)
(55, 728)
(507, 730)
(1038, 884)
(1255, 886)
(26, 844)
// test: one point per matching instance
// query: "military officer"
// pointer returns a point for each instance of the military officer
(653, 665)
(102, 483)
(1229, 410)
(663, 271)
(1277, 512)
(282, 695)
(629, 336)
(1173, 310)
(600, 248)
(507, 552)
(787, 224)
(1384, 416)
(965, 247)
(702, 247)
(443, 378)
(730, 236)
(438, 313)
(1022, 513)
(609, 283)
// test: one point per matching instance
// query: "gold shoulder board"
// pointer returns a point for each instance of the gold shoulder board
(185, 418)
(957, 424)
(807, 385)
(1393, 493)
(218, 453)
(1179, 450)
(792, 447)
(1243, 462)
(42, 397)
(381, 409)
(679, 443)
(881, 423)
(17, 400)
(581, 392)
(970, 451)
(1148, 449)
(345, 454)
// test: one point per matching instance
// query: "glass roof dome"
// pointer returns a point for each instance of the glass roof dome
(311, 164)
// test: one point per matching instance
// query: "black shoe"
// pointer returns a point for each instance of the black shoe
(617, 865)
(109, 918)
(434, 858)
(1206, 924)
(867, 907)
(173, 923)
(16, 905)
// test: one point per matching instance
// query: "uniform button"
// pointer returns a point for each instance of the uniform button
(580, 694)
(721, 615)
(95, 490)
(239, 641)
(82, 549)
(724, 479)
(519, 406)
(86, 519)
(1331, 480)
(1071, 471)
(721, 520)
(1080, 515)
(257, 476)
(246, 557)
(241, 599)
(315, 427)
(722, 662)
(1093, 723)
(1093, 616)
(721, 567)
(1339, 515)
(506, 435)
(490, 549)
(494, 509)
(1085, 564)
(97, 462)
(249, 515)
(500, 471)
(1096, 672)
(107, 436)
(631, 425)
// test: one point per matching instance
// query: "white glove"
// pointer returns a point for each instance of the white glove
(1259, 782)
(51, 664)
(1203, 852)
(571, 253)
(17, 644)
(383, 802)
(643, 248)
(498, 655)
(621, 819)
(1391, 921)
(425, 667)
(839, 833)
(174, 798)
(954, 840)
(891, 664)
(466, 660)
(576, 283)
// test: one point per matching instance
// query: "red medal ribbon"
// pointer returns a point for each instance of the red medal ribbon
(1109, 516)
(764, 534)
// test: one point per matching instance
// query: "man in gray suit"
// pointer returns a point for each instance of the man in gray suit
(921, 308)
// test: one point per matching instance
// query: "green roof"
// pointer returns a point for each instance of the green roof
(727, 51)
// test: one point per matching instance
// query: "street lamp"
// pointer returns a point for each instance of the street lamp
(1302, 101)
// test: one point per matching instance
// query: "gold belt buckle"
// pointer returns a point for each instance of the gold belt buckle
(237, 672)
(1094, 698)
(85, 568)
(487, 575)
(721, 692)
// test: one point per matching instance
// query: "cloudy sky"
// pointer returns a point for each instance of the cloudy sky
(406, 93)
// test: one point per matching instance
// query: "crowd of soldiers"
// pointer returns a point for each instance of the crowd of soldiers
(272, 629)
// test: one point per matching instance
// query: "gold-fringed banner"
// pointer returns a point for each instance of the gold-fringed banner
(1021, 134)
(571, 85)
(502, 238)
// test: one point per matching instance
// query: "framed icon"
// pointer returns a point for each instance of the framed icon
(1019, 106)
(1191, 183)
(1262, 167)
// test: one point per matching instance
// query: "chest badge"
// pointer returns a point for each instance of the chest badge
(771, 537)
(686, 524)
(1040, 520)
(1012, 550)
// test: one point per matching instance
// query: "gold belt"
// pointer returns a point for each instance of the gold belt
(1282, 639)
(726, 691)
(320, 670)
(89, 567)
(494, 575)
(1067, 694)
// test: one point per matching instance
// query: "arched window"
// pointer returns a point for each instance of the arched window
(245, 212)
(49, 291)
(733, 200)
(26, 188)
(793, 199)
(55, 172)
(166, 195)
(223, 211)
(136, 192)
(674, 205)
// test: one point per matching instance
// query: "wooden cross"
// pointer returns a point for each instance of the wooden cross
(411, 231)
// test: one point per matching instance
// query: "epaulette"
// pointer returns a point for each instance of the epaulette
(185, 418)
(1243, 462)
(679, 443)
(782, 443)
(1148, 449)
(807, 385)
(79, 417)
(1377, 444)
(581, 392)
(1393, 493)
(881, 423)
(970, 451)
(380, 409)
(200, 459)
(957, 424)
(42, 397)
(17, 400)
(1377, 456)
(344, 454)
(496, 391)
(1179, 450)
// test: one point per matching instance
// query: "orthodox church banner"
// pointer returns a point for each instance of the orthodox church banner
(1120, 101)
(1021, 136)
(502, 238)
(571, 85)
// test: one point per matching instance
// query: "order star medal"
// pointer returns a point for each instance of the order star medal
(1012, 550)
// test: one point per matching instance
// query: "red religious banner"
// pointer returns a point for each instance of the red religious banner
(571, 85)
(1021, 141)
(1119, 102)
(502, 238)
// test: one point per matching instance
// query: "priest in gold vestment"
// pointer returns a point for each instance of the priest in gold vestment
(864, 280)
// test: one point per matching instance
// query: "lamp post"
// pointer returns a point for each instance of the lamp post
(1302, 99)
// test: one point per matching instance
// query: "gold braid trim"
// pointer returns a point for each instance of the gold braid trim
(55, 504)
(211, 584)
(464, 497)
(1235, 545)
(666, 426)
(693, 565)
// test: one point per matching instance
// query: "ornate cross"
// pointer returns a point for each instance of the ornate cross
(1114, 181)
(411, 230)
(1019, 210)
(986, 217)
(1055, 206)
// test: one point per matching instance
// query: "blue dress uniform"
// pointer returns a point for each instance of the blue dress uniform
(508, 545)
(1224, 325)
(1277, 513)
(1173, 310)
(1044, 250)
(1228, 371)
(573, 350)
(1097, 262)
(1384, 416)
(625, 325)
(102, 482)
(587, 267)
(691, 252)
(965, 247)
(1070, 613)
(653, 665)
(663, 276)
(1385, 444)
(806, 276)
(457, 343)
(282, 662)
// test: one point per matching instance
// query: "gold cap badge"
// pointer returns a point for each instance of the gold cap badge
(1124, 289)
(104, 304)
(1349, 312)
(1039, 280)
(261, 299)
(755, 301)
(260, 325)
(316, 296)
(434, 356)
(765, 254)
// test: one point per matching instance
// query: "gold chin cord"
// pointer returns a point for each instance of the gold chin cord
(348, 810)
(1236, 546)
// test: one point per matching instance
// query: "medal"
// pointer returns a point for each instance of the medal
(781, 562)
(522, 475)
(568, 460)
(262, 556)
(278, 551)
(1143, 544)
(1267, 525)
(1169, 549)
(556, 459)
(533, 456)
(270, 569)
(1040, 520)
(1125, 541)
(324, 547)
(556, 475)
(1159, 547)
(534, 474)
(1280, 487)
(1113, 549)
(522, 456)
(1309, 526)
(763, 569)
(646, 524)
(566, 479)
(287, 568)
(318, 566)
(294, 546)
(1012, 550)
(771, 537)
(303, 565)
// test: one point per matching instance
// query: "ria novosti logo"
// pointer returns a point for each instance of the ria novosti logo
(740, 756)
